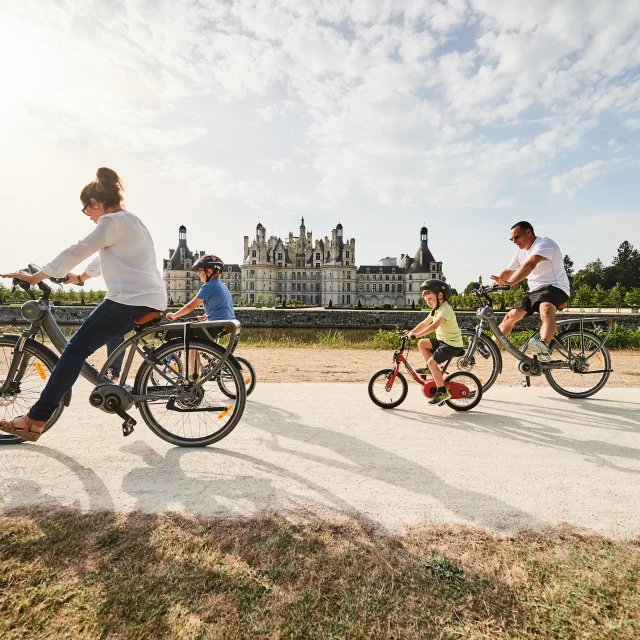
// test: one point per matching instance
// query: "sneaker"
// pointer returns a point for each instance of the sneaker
(114, 377)
(423, 371)
(440, 397)
(541, 349)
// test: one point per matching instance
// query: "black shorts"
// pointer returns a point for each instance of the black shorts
(441, 351)
(531, 301)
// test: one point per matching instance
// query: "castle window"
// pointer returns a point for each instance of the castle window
(399, 288)
(317, 256)
(386, 277)
(279, 256)
(347, 254)
(386, 287)
(253, 254)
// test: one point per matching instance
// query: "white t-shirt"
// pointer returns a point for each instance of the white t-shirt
(548, 272)
(126, 259)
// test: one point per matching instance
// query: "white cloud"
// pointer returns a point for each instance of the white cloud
(570, 182)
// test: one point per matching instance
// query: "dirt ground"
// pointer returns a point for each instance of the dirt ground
(317, 364)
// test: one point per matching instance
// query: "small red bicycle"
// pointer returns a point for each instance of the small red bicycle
(388, 388)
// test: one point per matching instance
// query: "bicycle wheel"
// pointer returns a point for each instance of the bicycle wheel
(583, 355)
(190, 418)
(474, 387)
(26, 388)
(387, 398)
(173, 363)
(248, 375)
(484, 362)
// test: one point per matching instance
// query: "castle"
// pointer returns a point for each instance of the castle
(319, 272)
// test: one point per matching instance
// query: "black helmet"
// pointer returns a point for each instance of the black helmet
(209, 261)
(437, 286)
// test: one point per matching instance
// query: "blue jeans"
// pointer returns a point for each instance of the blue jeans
(112, 345)
(108, 321)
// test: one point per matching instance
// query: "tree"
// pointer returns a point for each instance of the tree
(633, 297)
(359, 305)
(413, 304)
(470, 287)
(592, 274)
(568, 267)
(270, 300)
(600, 296)
(330, 305)
(625, 267)
(617, 295)
(583, 296)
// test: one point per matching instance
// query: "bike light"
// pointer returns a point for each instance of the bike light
(40, 370)
(247, 381)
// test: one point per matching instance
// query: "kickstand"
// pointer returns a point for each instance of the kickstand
(526, 382)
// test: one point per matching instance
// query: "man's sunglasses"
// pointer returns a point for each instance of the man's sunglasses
(514, 238)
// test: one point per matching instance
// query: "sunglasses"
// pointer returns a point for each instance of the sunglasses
(514, 238)
(84, 209)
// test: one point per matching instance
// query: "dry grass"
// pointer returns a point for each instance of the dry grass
(67, 574)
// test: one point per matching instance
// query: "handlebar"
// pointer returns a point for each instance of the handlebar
(493, 288)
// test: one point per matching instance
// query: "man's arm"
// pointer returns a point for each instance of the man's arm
(522, 273)
(503, 277)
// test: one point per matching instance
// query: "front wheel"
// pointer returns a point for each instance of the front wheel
(471, 393)
(589, 363)
(182, 413)
(27, 384)
(248, 376)
(387, 395)
(481, 357)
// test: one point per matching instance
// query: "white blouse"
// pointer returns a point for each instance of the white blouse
(126, 259)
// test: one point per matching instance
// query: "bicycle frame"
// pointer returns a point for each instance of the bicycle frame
(40, 314)
(532, 366)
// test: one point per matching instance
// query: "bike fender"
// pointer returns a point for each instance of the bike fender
(40, 347)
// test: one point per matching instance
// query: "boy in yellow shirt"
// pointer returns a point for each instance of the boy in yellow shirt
(448, 341)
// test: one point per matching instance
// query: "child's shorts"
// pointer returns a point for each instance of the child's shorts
(441, 351)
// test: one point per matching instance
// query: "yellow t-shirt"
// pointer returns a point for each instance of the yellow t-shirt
(448, 331)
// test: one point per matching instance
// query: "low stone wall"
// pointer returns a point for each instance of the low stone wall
(323, 318)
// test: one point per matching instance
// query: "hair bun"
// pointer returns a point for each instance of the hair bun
(107, 176)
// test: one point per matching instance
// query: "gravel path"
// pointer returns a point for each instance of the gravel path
(524, 458)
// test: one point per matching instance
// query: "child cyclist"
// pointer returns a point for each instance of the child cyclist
(213, 295)
(448, 341)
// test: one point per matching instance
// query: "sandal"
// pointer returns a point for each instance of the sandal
(22, 426)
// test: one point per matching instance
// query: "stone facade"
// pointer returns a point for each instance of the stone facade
(298, 268)
(398, 284)
(183, 282)
(319, 272)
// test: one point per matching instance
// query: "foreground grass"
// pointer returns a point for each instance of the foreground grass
(68, 574)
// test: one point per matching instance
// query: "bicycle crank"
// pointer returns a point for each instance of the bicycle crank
(112, 398)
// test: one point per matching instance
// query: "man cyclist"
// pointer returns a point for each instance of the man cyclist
(539, 261)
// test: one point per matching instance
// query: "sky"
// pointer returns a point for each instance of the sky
(463, 115)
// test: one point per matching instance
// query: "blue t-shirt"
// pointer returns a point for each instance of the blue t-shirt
(216, 300)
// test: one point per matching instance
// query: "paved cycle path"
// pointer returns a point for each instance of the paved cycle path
(523, 458)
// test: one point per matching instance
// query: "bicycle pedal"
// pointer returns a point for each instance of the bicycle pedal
(127, 427)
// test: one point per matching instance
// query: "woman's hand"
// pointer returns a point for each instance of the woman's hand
(171, 316)
(31, 278)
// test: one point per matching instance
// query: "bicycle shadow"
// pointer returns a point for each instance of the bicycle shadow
(531, 424)
(341, 453)
(18, 492)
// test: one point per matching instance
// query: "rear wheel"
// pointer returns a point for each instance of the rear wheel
(484, 361)
(588, 360)
(473, 392)
(183, 414)
(385, 397)
(27, 385)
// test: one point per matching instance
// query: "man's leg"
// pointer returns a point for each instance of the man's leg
(116, 365)
(549, 325)
(510, 320)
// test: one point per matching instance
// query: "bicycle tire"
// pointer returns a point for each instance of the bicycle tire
(556, 386)
(140, 388)
(486, 374)
(48, 360)
(386, 373)
(249, 381)
(478, 396)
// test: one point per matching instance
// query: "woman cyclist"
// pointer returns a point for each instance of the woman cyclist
(127, 261)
